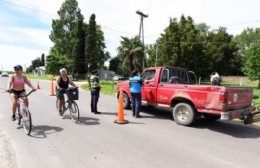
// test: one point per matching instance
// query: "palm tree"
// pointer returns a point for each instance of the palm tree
(131, 54)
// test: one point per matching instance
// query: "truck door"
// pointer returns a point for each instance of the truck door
(149, 87)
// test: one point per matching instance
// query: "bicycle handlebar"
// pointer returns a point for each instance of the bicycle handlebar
(10, 91)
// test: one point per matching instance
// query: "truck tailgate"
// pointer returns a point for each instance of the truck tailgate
(239, 97)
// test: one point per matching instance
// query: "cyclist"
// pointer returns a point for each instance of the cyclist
(62, 83)
(16, 85)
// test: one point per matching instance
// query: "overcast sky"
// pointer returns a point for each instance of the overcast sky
(24, 32)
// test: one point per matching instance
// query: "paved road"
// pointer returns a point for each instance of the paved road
(154, 141)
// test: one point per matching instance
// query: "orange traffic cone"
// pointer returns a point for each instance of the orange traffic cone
(120, 116)
(52, 87)
(38, 86)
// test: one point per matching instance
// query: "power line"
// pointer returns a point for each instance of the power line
(25, 7)
(119, 31)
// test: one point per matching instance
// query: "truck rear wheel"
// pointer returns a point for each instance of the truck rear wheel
(184, 114)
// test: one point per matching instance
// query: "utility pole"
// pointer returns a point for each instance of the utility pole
(141, 29)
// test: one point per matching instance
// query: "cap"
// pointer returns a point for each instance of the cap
(19, 67)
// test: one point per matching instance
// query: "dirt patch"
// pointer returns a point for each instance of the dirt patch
(7, 154)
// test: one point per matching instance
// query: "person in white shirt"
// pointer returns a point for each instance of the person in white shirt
(215, 79)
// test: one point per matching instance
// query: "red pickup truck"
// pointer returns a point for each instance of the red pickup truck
(174, 88)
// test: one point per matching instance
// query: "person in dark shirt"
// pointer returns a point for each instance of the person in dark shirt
(94, 90)
(135, 83)
(62, 83)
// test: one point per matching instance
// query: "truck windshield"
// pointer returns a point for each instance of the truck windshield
(148, 75)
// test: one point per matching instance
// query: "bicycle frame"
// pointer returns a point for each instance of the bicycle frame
(21, 105)
(70, 105)
(23, 112)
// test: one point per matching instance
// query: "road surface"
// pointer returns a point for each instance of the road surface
(153, 141)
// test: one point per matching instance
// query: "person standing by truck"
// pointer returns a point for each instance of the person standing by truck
(94, 90)
(135, 84)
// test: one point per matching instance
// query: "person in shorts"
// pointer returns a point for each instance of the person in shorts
(62, 83)
(16, 86)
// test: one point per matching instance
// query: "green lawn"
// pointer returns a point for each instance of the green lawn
(46, 77)
(107, 87)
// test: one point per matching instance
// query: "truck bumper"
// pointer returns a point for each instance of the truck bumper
(241, 113)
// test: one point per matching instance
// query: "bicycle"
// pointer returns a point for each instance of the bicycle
(72, 95)
(23, 112)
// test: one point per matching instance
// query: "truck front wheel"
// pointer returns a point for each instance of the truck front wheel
(126, 101)
(184, 114)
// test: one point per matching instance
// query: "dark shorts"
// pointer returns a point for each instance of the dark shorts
(60, 94)
(18, 92)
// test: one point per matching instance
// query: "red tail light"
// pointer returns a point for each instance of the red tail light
(223, 99)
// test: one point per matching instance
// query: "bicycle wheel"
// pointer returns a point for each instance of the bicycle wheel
(74, 111)
(18, 115)
(27, 121)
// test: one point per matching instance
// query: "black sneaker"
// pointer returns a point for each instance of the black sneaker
(13, 117)
(97, 112)
(139, 116)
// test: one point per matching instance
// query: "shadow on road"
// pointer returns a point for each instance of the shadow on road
(88, 121)
(109, 113)
(156, 113)
(41, 131)
(130, 122)
(232, 128)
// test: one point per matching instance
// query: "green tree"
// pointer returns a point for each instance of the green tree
(36, 63)
(247, 38)
(130, 53)
(55, 63)
(223, 51)
(91, 49)
(78, 53)
(42, 59)
(252, 65)
(179, 45)
(114, 65)
(195, 48)
(103, 55)
(64, 29)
